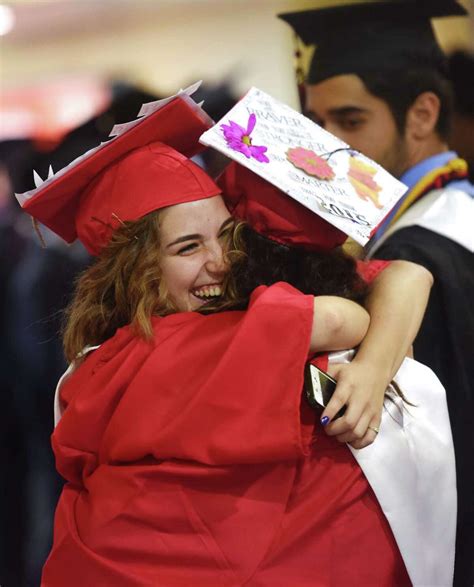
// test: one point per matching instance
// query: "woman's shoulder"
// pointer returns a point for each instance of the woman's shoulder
(128, 339)
(127, 343)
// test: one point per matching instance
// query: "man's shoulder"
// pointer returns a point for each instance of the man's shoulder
(426, 247)
(440, 220)
(414, 235)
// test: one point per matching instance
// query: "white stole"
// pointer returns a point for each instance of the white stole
(411, 469)
(448, 212)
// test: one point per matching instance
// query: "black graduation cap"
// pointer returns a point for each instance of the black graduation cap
(358, 38)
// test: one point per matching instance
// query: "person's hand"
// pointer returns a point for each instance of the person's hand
(361, 388)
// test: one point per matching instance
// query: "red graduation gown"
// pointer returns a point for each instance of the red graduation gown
(191, 461)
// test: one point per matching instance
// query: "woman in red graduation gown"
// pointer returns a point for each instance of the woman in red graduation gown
(190, 458)
(188, 454)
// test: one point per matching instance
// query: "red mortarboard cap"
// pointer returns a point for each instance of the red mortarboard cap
(273, 214)
(143, 169)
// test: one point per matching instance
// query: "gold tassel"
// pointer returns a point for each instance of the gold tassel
(122, 223)
(36, 228)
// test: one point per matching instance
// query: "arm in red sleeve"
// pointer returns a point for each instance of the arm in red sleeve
(221, 389)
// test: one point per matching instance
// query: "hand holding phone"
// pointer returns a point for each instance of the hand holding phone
(319, 388)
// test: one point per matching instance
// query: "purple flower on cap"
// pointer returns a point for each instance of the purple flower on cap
(238, 139)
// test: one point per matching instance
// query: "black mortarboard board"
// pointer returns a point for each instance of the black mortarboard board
(461, 74)
(359, 38)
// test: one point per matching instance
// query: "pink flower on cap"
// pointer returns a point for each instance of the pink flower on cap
(310, 163)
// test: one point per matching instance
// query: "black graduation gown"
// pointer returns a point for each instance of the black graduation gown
(446, 344)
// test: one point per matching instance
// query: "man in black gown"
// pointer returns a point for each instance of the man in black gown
(378, 81)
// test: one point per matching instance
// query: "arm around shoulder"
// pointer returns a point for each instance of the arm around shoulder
(396, 303)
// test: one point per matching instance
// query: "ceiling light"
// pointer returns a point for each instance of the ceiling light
(7, 19)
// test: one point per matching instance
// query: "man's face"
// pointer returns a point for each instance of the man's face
(343, 106)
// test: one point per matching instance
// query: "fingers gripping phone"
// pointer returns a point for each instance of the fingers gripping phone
(319, 388)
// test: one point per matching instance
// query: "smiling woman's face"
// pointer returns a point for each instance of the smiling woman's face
(193, 239)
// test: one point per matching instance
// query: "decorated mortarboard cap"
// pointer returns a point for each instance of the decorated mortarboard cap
(372, 36)
(146, 167)
(274, 215)
(295, 182)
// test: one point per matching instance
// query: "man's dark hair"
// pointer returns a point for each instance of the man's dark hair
(399, 89)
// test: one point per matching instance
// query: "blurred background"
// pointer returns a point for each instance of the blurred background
(70, 70)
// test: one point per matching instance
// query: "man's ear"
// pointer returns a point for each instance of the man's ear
(422, 116)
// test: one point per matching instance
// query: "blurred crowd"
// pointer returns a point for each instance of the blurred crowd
(37, 271)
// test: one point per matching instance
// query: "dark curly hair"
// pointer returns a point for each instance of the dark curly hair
(325, 273)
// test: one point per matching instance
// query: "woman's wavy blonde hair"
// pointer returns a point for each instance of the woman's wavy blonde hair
(124, 286)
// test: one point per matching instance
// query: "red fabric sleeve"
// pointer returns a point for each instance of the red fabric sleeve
(369, 270)
(220, 389)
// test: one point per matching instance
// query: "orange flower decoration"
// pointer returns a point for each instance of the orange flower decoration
(361, 176)
(310, 163)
